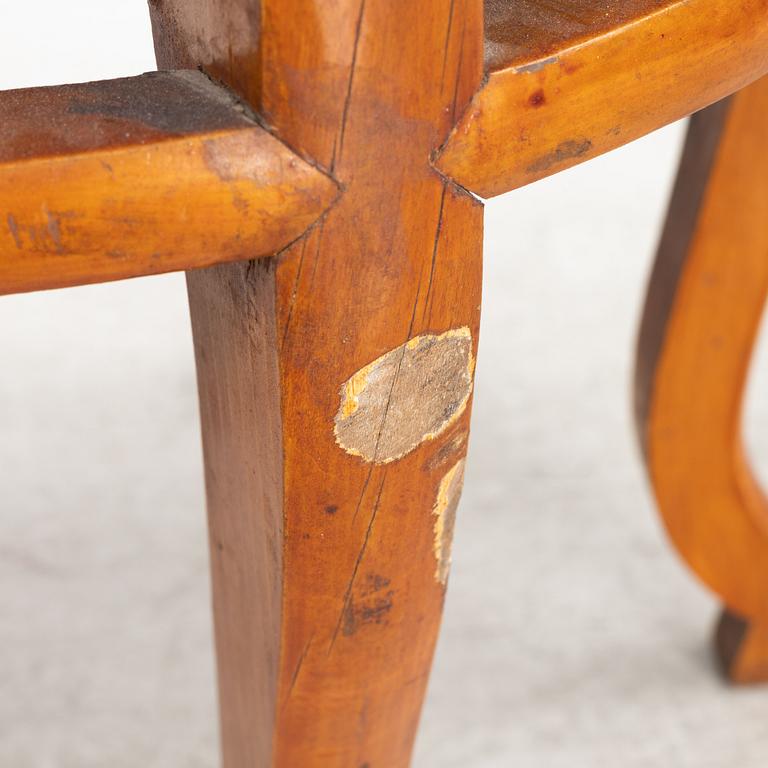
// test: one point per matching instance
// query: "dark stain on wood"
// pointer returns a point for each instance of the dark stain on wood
(567, 150)
(173, 102)
(372, 605)
(372, 611)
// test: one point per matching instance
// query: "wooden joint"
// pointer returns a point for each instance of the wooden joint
(565, 88)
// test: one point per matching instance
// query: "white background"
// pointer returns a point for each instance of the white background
(572, 637)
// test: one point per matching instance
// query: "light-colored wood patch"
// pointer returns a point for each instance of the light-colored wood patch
(405, 397)
(446, 504)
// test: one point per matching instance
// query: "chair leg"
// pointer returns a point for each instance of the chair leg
(704, 305)
(335, 382)
(334, 452)
(335, 378)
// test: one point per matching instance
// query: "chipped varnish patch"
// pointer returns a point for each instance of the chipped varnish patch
(446, 452)
(446, 504)
(407, 396)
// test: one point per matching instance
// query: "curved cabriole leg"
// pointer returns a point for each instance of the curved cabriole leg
(702, 314)
(336, 380)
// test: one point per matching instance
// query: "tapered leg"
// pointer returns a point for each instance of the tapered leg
(336, 380)
(704, 306)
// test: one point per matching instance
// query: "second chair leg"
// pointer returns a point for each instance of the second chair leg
(333, 480)
(702, 314)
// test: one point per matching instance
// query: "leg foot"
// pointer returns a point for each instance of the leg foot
(742, 648)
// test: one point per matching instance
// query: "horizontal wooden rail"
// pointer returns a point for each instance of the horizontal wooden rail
(564, 87)
(162, 172)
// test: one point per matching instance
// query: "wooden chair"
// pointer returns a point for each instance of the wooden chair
(314, 165)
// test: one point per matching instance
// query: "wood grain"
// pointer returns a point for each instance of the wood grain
(568, 81)
(523, 31)
(354, 547)
(166, 171)
(702, 314)
(336, 373)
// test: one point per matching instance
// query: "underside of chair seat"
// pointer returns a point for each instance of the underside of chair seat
(520, 31)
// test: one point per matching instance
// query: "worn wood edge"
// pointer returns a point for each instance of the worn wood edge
(321, 192)
(104, 270)
(236, 334)
(473, 123)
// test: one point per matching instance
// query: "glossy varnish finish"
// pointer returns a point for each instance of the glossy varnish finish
(704, 307)
(336, 357)
(369, 92)
(128, 177)
(568, 81)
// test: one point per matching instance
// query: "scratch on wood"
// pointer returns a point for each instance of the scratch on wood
(446, 503)
(14, 230)
(294, 292)
(398, 367)
(350, 584)
(428, 298)
(447, 44)
(458, 71)
(320, 231)
(348, 98)
(382, 422)
(362, 495)
(372, 612)
(296, 671)
(407, 396)
(537, 66)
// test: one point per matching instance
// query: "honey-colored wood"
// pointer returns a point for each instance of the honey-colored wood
(335, 358)
(166, 171)
(704, 306)
(742, 648)
(337, 533)
(566, 81)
